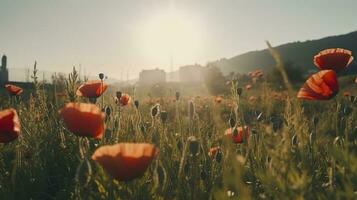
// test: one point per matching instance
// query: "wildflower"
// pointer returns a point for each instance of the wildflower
(214, 151)
(83, 119)
(9, 125)
(92, 89)
(13, 89)
(320, 86)
(218, 99)
(155, 110)
(248, 87)
(346, 94)
(124, 99)
(125, 161)
(238, 134)
(334, 59)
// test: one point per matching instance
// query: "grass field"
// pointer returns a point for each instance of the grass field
(292, 149)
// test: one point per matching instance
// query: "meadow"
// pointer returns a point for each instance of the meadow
(254, 142)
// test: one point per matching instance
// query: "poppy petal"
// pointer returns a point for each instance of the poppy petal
(320, 86)
(125, 161)
(13, 89)
(335, 59)
(83, 119)
(92, 89)
(9, 125)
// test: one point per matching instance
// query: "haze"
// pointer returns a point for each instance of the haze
(117, 37)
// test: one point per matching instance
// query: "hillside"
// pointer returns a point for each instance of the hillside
(300, 54)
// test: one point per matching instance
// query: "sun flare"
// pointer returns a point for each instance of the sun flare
(171, 34)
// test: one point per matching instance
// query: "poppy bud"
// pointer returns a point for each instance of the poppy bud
(155, 110)
(177, 96)
(347, 110)
(136, 103)
(119, 94)
(315, 121)
(193, 145)
(203, 174)
(108, 111)
(163, 116)
(239, 91)
(101, 76)
(353, 99)
(232, 122)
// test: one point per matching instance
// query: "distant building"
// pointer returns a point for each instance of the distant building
(4, 73)
(191, 73)
(152, 76)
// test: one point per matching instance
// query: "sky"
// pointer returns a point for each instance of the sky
(120, 37)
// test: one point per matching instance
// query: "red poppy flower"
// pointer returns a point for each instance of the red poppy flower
(335, 59)
(238, 135)
(9, 125)
(218, 99)
(92, 89)
(320, 86)
(124, 99)
(125, 161)
(213, 151)
(83, 119)
(13, 89)
(253, 99)
(248, 87)
(346, 94)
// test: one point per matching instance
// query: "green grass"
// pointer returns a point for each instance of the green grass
(296, 149)
(288, 156)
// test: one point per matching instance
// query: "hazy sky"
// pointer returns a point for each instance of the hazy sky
(113, 36)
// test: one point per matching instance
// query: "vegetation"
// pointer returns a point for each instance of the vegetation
(293, 150)
(298, 53)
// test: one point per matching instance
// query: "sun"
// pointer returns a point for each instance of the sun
(172, 34)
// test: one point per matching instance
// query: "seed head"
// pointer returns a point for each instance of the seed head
(155, 110)
(239, 91)
(101, 76)
(119, 93)
(193, 145)
(136, 103)
(232, 122)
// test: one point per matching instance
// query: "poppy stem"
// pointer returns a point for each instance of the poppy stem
(102, 94)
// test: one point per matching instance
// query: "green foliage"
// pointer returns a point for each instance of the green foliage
(296, 150)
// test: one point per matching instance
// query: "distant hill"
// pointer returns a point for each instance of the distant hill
(299, 54)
